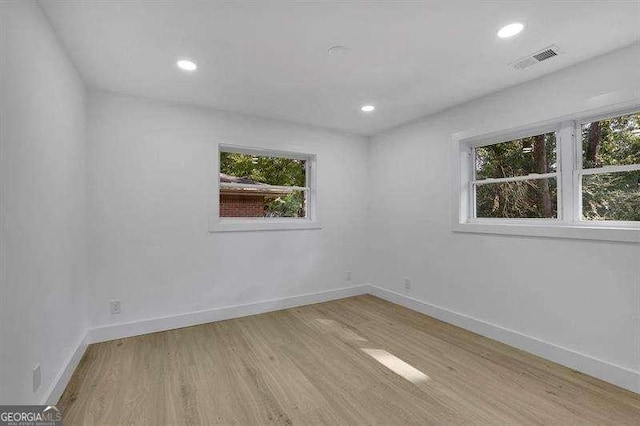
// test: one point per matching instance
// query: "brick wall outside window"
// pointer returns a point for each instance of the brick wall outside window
(233, 205)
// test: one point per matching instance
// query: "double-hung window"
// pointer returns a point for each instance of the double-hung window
(574, 178)
(516, 179)
(263, 189)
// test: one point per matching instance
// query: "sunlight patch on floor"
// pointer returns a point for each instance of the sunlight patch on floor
(397, 365)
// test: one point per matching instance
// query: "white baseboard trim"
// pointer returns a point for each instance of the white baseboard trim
(620, 376)
(59, 384)
(603, 370)
(136, 328)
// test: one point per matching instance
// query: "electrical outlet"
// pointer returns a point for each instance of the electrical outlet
(115, 307)
(348, 276)
(407, 284)
(37, 377)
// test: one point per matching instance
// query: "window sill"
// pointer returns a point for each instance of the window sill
(248, 225)
(579, 232)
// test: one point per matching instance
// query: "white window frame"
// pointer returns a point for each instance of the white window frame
(229, 224)
(480, 142)
(569, 172)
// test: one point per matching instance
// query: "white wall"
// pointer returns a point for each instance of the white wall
(580, 295)
(42, 204)
(150, 167)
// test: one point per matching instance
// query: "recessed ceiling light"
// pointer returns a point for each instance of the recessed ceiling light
(510, 30)
(368, 108)
(337, 50)
(186, 65)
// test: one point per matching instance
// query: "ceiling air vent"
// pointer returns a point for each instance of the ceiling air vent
(542, 55)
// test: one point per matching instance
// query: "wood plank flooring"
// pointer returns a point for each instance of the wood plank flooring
(359, 360)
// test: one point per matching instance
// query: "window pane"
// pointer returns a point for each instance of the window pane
(258, 203)
(263, 176)
(611, 196)
(519, 157)
(536, 198)
(288, 205)
(610, 142)
(263, 169)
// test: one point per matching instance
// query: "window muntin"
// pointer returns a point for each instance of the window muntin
(261, 185)
(609, 169)
(516, 179)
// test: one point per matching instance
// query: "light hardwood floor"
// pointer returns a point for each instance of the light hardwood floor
(359, 360)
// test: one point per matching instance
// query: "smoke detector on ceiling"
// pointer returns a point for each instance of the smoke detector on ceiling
(537, 57)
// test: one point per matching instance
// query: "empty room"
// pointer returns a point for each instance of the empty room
(320, 212)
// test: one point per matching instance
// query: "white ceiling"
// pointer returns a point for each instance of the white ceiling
(268, 58)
